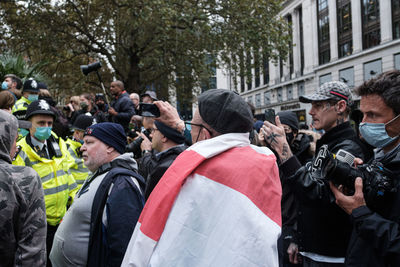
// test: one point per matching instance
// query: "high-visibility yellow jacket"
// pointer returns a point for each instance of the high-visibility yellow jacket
(58, 183)
(78, 169)
(20, 107)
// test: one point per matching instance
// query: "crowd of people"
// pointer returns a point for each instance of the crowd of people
(129, 183)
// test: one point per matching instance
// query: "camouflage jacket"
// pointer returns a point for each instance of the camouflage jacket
(22, 208)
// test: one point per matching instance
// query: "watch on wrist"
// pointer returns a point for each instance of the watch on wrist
(145, 152)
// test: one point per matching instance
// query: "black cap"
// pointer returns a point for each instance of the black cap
(289, 118)
(83, 121)
(170, 133)
(42, 85)
(31, 85)
(151, 94)
(39, 107)
(225, 111)
(99, 96)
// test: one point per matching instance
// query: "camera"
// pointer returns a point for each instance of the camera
(149, 110)
(66, 108)
(86, 69)
(135, 145)
(377, 180)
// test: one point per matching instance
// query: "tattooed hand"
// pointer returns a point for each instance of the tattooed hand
(275, 137)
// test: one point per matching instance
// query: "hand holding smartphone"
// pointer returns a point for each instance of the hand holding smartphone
(270, 115)
(149, 110)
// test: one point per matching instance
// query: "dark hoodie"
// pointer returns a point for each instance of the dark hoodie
(22, 209)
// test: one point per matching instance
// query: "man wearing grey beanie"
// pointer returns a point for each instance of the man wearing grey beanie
(219, 202)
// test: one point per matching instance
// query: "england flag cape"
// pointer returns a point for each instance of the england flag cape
(219, 204)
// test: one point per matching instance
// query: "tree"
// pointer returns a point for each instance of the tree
(144, 43)
(16, 64)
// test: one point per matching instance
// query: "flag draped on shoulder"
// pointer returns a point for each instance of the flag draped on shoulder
(217, 205)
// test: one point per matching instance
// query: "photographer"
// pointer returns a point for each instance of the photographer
(165, 145)
(323, 229)
(122, 108)
(376, 232)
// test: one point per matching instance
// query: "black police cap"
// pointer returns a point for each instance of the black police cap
(39, 107)
(83, 121)
(31, 85)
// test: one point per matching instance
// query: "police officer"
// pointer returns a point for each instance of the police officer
(30, 93)
(47, 154)
(78, 169)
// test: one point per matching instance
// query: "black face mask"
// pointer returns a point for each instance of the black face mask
(289, 138)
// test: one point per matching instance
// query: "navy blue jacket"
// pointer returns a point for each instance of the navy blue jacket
(107, 244)
(125, 108)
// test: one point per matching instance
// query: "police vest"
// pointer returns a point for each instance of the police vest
(20, 107)
(58, 183)
(78, 169)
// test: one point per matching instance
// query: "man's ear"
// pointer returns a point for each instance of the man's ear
(341, 107)
(110, 149)
(164, 139)
(206, 133)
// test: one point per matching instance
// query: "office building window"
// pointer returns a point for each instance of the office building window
(347, 76)
(323, 32)
(250, 99)
(258, 100)
(396, 18)
(370, 23)
(345, 40)
(248, 71)
(372, 69)
(289, 20)
(325, 78)
(265, 68)
(267, 97)
(256, 68)
(289, 92)
(397, 61)
(300, 89)
(279, 94)
(300, 12)
(241, 72)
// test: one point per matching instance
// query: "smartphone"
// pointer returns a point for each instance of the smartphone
(149, 110)
(270, 115)
(393, 127)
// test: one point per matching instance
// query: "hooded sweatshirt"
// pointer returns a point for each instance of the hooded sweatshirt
(22, 209)
(71, 241)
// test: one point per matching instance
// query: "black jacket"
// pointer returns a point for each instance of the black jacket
(323, 227)
(375, 240)
(153, 167)
(125, 108)
(107, 245)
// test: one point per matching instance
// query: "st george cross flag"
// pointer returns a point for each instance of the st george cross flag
(219, 204)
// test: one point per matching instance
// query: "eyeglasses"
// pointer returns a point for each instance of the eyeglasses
(195, 124)
(198, 125)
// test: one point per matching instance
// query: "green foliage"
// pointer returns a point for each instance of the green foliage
(158, 43)
(16, 64)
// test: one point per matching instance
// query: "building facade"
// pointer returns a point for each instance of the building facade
(344, 40)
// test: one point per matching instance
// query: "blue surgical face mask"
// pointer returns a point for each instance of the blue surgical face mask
(33, 97)
(42, 133)
(4, 85)
(23, 132)
(375, 134)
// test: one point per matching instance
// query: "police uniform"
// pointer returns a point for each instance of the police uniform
(78, 169)
(52, 162)
(20, 107)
